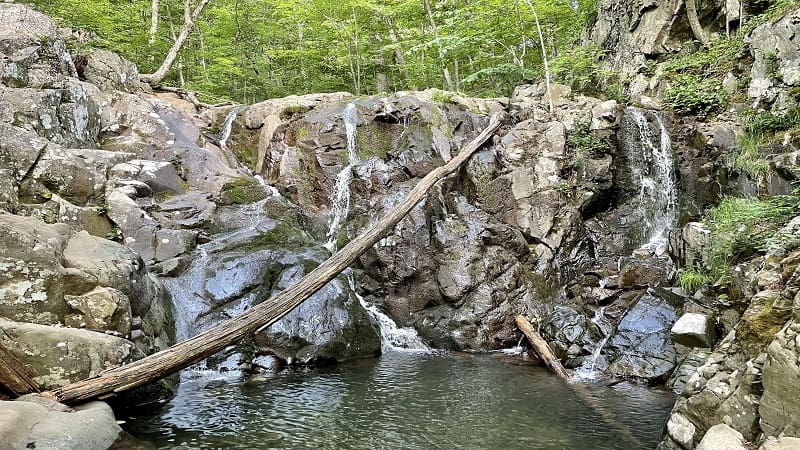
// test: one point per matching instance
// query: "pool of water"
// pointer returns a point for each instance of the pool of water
(409, 401)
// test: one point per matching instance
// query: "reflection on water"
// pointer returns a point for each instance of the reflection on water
(410, 401)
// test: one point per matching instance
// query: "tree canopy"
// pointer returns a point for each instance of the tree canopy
(249, 50)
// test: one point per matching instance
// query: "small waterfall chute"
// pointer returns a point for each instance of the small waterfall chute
(340, 197)
(649, 150)
(393, 337)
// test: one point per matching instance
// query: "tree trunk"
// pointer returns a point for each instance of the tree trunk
(399, 58)
(447, 79)
(186, 353)
(153, 21)
(13, 376)
(189, 19)
(541, 348)
(694, 22)
(544, 56)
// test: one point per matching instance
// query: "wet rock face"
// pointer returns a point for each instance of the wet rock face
(642, 347)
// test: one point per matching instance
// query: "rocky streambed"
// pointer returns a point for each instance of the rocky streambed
(130, 219)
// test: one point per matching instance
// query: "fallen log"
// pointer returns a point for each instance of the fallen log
(541, 348)
(13, 376)
(186, 353)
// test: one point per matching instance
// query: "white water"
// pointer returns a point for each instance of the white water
(227, 126)
(340, 198)
(393, 338)
(588, 370)
(653, 170)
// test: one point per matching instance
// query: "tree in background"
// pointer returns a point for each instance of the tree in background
(249, 50)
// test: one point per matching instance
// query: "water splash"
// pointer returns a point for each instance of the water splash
(588, 370)
(652, 168)
(340, 198)
(393, 338)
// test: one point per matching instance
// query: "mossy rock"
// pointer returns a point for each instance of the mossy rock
(242, 191)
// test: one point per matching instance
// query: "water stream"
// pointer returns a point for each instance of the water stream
(340, 198)
(649, 151)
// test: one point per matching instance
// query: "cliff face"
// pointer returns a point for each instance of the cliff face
(743, 388)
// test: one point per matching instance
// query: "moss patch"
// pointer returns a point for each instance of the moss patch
(241, 192)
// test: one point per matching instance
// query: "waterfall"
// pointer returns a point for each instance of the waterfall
(393, 338)
(340, 198)
(227, 126)
(650, 157)
(588, 370)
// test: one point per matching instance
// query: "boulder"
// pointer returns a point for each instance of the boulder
(781, 443)
(681, 430)
(33, 55)
(109, 71)
(331, 326)
(776, 61)
(50, 425)
(59, 355)
(721, 437)
(642, 347)
(693, 330)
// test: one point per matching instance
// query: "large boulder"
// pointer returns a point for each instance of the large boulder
(31, 54)
(693, 330)
(109, 71)
(39, 423)
(722, 437)
(60, 355)
(53, 277)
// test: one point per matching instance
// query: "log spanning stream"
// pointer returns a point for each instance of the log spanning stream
(410, 400)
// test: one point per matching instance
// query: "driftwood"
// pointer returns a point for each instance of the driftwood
(13, 376)
(541, 348)
(186, 353)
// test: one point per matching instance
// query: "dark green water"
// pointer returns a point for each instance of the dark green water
(410, 401)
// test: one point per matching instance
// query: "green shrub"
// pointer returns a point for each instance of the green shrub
(742, 227)
(693, 94)
(692, 278)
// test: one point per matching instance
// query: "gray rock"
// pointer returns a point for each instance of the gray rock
(34, 56)
(693, 330)
(721, 437)
(31, 425)
(109, 71)
(59, 356)
(331, 326)
(681, 430)
(782, 443)
(642, 346)
(781, 379)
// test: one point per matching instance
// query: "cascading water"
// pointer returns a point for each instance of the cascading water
(650, 157)
(588, 370)
(648, 147)
(340, 199)
(227, 126)
(187, 290)
(393, 338)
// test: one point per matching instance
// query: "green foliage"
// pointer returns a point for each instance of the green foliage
(584, 140)
(760, 128)
(582, 69)
(250, 50)
(691, 278)
(693, 94)
(742, 227)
